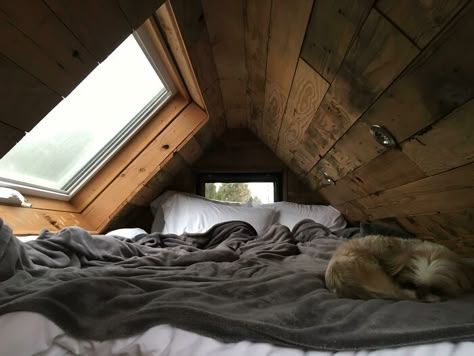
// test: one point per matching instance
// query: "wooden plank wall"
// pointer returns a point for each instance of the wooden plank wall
(318, 75)
(67, 39)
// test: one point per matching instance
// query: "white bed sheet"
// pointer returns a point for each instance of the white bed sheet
(26, 333)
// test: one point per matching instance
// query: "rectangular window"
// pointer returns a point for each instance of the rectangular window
(85, 129)
(254, 188)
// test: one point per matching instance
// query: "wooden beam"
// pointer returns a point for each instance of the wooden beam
(330, 32)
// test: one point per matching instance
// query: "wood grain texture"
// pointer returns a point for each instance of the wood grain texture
(377, 56)
(190, 150)
(87, 19)
(389, 170)
(25, 100)
(189, 16)
(215, 107)
(128, 153)
(420, 20)
(256, 27)
(331, 29)
(454, 230)
(144, 167)
(447, 144)
(36, 21)
(27, 221)
(437, 82)
(225, 23)
(306, 94)
(137, 12)
(445, 192)
(20, 49)
(353, 150)
(287, 27)
(10, 137)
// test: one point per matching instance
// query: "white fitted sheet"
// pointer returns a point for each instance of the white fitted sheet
(26, 333)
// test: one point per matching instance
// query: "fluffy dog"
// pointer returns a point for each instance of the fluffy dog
(383, 267)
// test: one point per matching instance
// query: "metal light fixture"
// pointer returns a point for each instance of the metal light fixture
(328, 179)
(383, 136)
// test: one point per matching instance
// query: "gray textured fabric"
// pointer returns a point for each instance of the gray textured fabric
(226, 283)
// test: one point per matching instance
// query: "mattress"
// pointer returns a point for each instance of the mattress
(26, 333)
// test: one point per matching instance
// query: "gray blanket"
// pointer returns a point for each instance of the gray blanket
(226, 283)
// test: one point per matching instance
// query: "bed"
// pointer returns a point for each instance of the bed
(204, 284)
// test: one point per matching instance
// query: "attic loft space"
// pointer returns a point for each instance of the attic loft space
(293, 87)
(75, 139)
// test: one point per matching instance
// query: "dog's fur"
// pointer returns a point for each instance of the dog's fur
(383, 267)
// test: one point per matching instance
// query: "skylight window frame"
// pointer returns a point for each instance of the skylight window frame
(81, 178)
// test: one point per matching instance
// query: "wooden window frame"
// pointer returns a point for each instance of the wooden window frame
(94, 205)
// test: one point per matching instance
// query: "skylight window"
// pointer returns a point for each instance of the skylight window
(87, 127)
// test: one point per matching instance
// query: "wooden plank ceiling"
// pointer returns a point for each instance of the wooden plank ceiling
(47, 47)
(310, 78)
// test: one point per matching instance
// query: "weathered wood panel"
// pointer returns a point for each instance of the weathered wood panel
(420, 20)
(25, 100)
(137, 12)
(437, 82)
(256, 26)
(448, 144)
(330, 31)
(19, 48)
(288, 23)
(445, 192)
(36, 21)
(454, 230)
(190, 18)
(377, 56)
(10, 137)
(87, 19)
(306, 94)
(390, 170)
(225, 23)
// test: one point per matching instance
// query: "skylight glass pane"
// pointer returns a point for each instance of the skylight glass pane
(85, 122)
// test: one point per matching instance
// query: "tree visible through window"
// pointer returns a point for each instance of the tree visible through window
(240, 192)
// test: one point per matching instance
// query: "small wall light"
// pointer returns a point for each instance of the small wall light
(383, 136)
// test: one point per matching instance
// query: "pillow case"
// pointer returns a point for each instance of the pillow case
(290, 213)
(177, 213)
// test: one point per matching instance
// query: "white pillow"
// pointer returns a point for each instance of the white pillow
(128, 233)
(177, 212)
(290, 213)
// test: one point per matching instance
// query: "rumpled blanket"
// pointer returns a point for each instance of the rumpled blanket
(226, 283)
